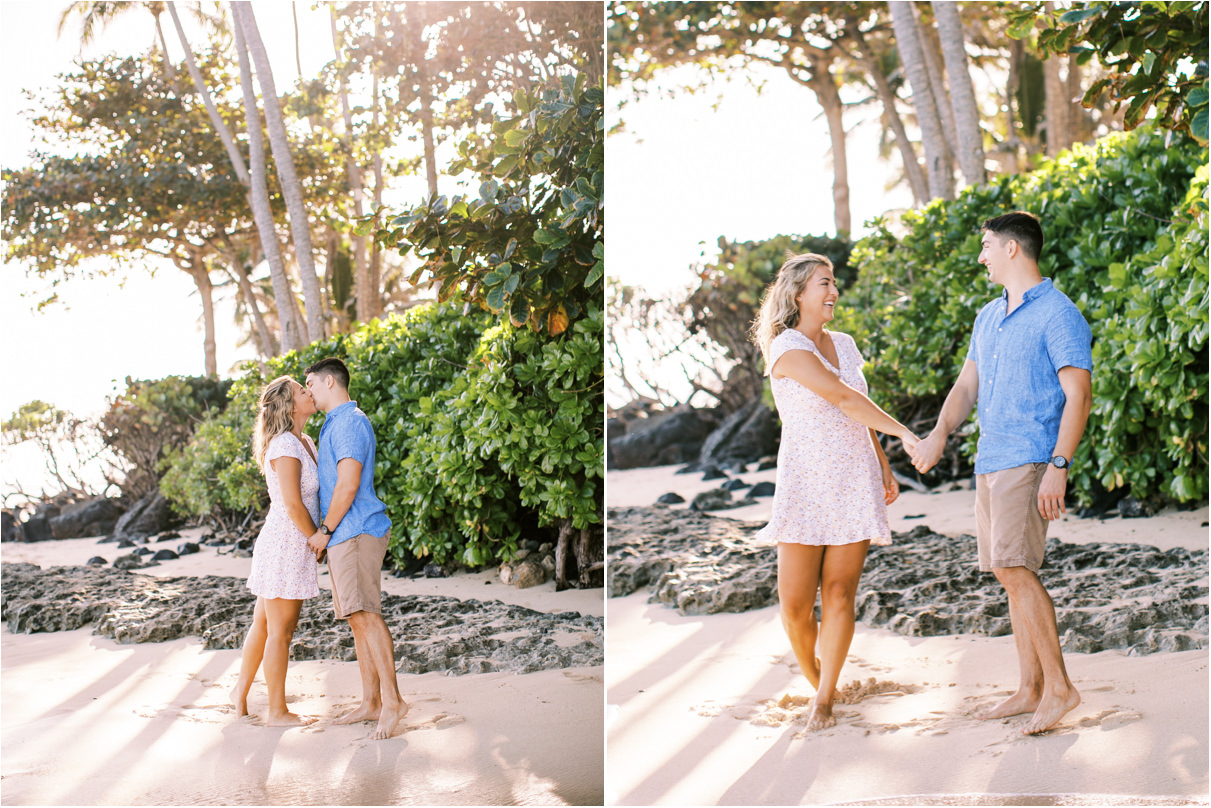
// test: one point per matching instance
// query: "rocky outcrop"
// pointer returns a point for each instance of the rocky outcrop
(1126, 596)
(94, 517)
(663, 439)
(150, 515)
(432, 634)
(747, 435)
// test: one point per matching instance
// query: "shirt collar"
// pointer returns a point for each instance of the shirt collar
(348, 405)
(1039, 289)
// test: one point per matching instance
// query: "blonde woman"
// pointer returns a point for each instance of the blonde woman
(283, 566)
(834, 482)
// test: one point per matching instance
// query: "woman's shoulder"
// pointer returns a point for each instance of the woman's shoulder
(790, 338)
(841, 336)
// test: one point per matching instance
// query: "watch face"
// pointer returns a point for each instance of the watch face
(1059, 462)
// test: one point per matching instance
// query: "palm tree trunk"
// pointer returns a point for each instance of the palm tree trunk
(908, 155)
(361, 272)
(288, 180)
(932, 51)
(374, 306)
(968, 138)
(941, 184)
(416, 28)
(825, 87)
(197, 268)
(1056, 103)
(264, 338)
(259, 200)
(233, 152)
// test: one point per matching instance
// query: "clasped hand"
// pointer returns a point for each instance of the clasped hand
(318, 542)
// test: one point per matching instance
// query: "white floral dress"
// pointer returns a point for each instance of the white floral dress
(830, 485)
(283, 566)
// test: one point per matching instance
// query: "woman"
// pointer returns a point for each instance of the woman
(834, 482)
(283, 566)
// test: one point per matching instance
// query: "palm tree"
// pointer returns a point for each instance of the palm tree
(97, 14)
(969, 142)
(288, 179)
(941, 182)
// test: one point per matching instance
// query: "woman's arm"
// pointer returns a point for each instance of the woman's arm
(891, 487)
(290, 475)
(807, 369)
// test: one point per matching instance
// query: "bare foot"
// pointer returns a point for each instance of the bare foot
(390, 717)
(821, 717)
(1051, 709)
(813, 675)
(366, 712)
(240, 701)
(287, 720)
(1024, 701)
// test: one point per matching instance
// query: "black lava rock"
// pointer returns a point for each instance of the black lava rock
(671, 498)
(762, 490)
(164, 555)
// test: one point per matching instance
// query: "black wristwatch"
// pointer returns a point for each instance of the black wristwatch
(324, 529)
(1059, 462)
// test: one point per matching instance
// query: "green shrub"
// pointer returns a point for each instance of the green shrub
(483, 432)
(1126, 241)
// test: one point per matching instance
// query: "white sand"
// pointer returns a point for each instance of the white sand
(85, 720)
(693, 714)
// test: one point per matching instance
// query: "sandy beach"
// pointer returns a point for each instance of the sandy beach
(711, 709)
(88, 721)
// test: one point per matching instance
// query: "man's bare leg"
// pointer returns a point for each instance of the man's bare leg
(372, 703)
(798, 581)
(1037, 611)
(838, 589)
(250, 661)
(381, 655)
(1030, 678)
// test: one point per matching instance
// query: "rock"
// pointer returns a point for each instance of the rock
(506, 573)
(767, 463)
(735, 485)
(663, 439)
(436, 571)
(128, 562)
(188, 548)
(241, 552)
(713, 472)
(718, 499)
(97, 561)
(521, 555)
(615, 428)
(546, 547)
(1131, 508)
(1125, 596)
(671, 498)
(124, 543)
(432, 634)
(143, 551)
(169, 536)
(150, 515)
(745, 436)
(548, 564)
(94, 517)
(10, 527)
(164, 555)
(529, 573)
(37, 528)
(765, 489)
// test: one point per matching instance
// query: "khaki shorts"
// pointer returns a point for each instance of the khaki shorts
(1010, 530)
(355, 569)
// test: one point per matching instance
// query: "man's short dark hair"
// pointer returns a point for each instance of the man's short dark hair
(1022, 227)
(331, 367)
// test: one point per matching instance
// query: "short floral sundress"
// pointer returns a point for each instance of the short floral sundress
(830, 485)
(283, 566)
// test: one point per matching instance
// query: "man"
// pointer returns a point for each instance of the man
(353, 531)
(1029, 368)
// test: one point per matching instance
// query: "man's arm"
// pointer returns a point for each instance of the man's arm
(348, 480)
(959, 401)
(1077, 384)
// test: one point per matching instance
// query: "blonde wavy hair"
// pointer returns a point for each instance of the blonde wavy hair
(275, 415)
(779, 311)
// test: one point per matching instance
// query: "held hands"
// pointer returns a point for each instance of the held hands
(926, 454)
(1051, 493)
(318, 544)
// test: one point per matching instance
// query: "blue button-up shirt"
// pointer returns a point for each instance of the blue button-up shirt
(347, 433)
(1018, 358)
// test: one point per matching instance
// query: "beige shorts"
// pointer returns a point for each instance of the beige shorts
(355, 569)
(1010, 530)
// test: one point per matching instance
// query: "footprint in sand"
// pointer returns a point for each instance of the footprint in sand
(576, 676)
(1106, 720)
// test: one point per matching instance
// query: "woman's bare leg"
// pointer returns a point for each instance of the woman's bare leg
(838, 589)
(281, 617)
(798, 580)
(254, 650)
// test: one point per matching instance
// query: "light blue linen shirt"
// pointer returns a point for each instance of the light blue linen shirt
(347, 433)
(1018, 358)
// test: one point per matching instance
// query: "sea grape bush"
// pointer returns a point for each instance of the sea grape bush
(1126, 239)
(486, 433)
